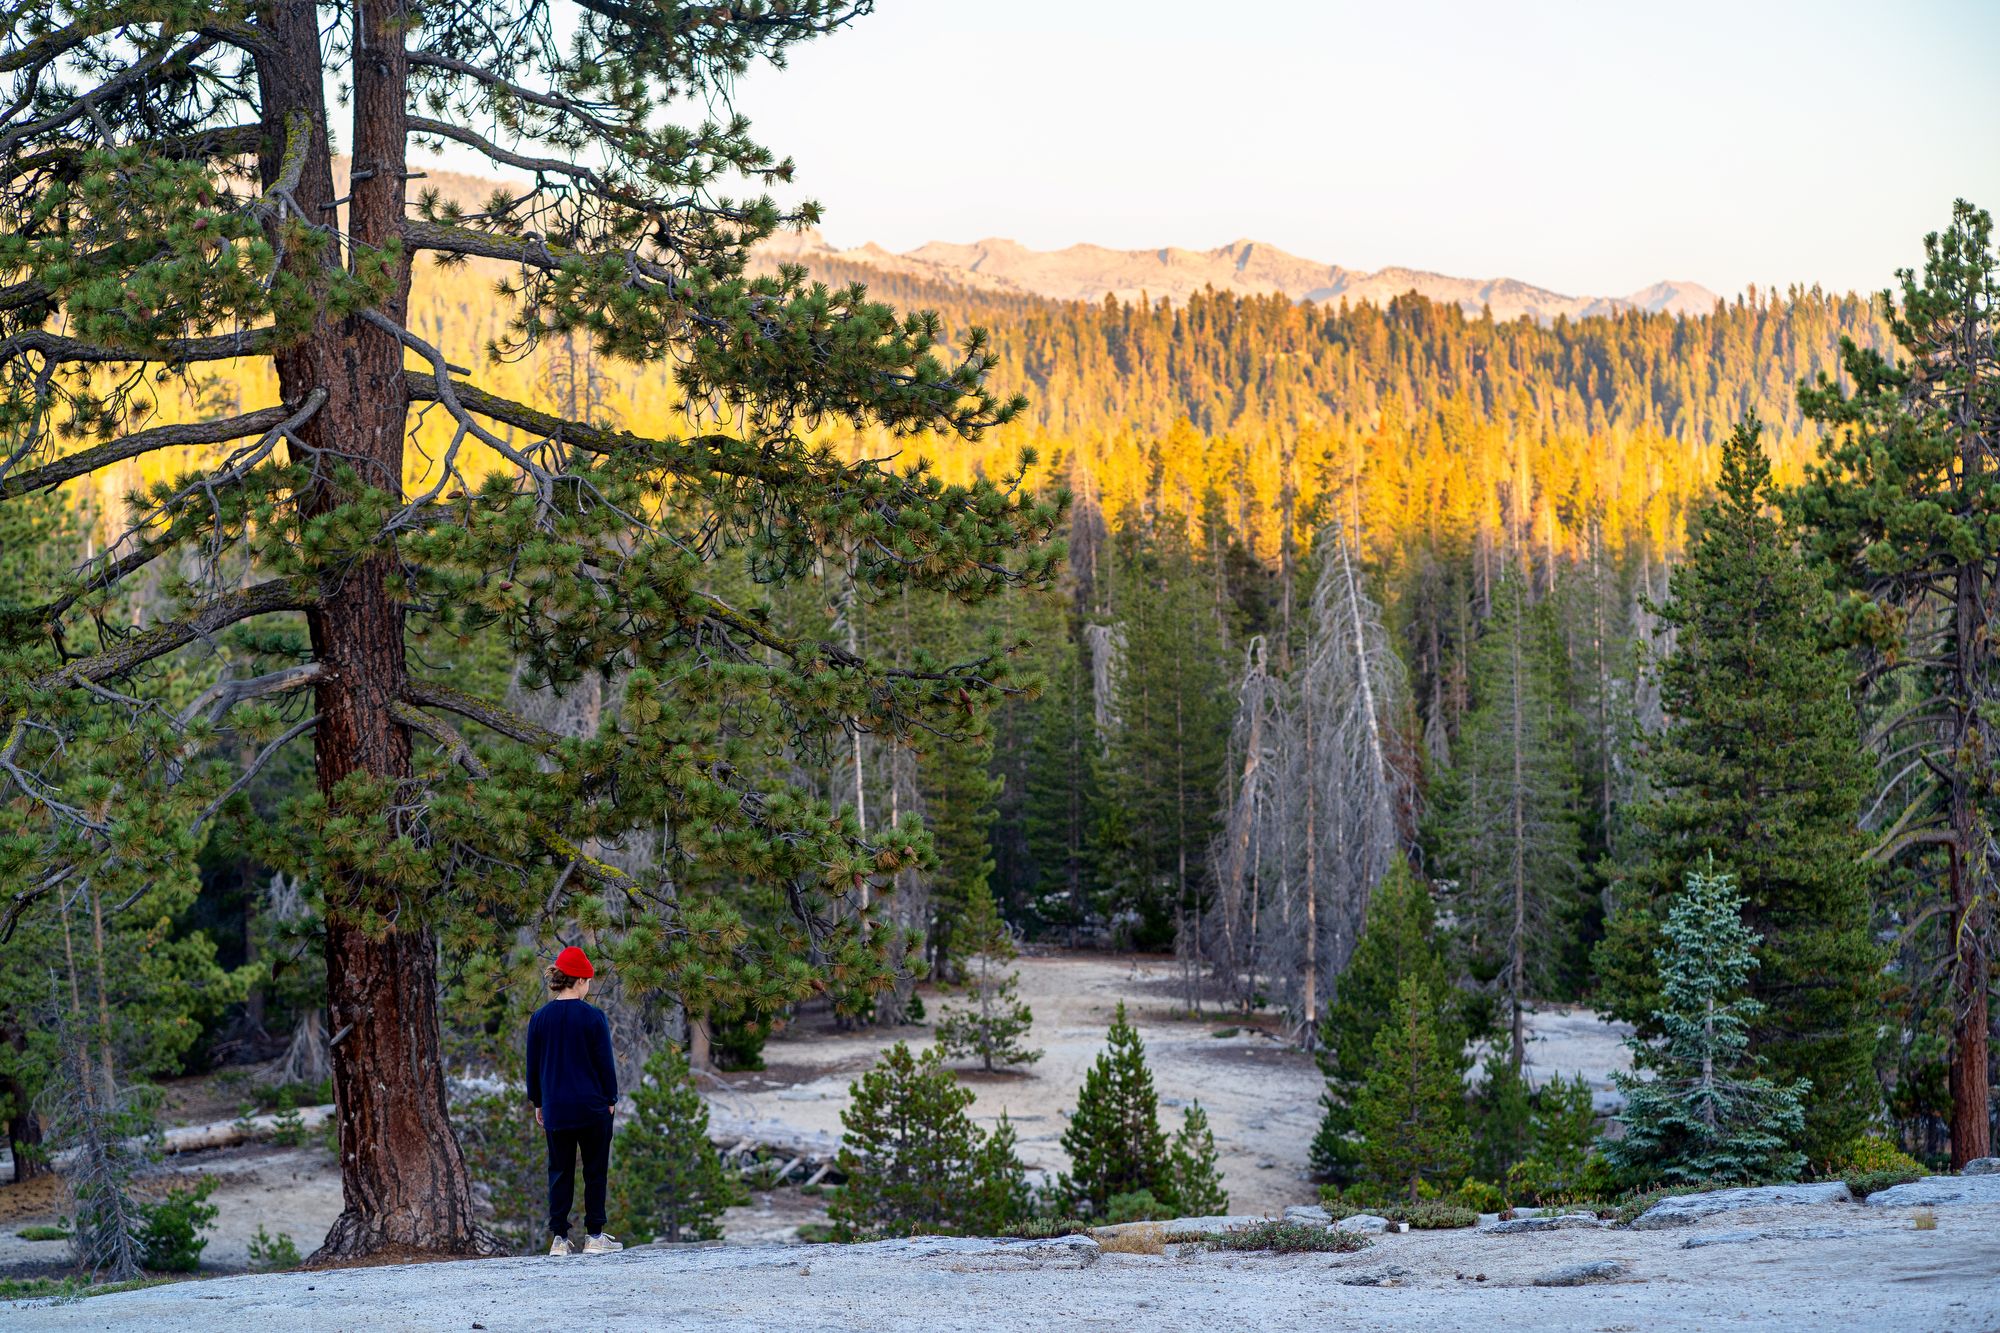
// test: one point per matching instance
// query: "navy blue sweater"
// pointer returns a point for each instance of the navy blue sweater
(571, 1075)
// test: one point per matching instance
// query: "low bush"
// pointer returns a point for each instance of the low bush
(43, 1233)
(170, 1239)
(1277, 1238)
(1434, 1216)
(1138, 1206)
(1865, 1183)
(273, 1252)
(1871, 1152)
(1480, 1196)
(1044, 1228)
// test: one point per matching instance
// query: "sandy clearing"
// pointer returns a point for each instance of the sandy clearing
(1261, 1094)
(1861, 1270)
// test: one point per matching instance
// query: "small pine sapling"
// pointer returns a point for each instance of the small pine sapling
(670, 1184)
(1502, 1120)
(1113, 1139)
(1411, 1108)
(994, 1026)
(1565, 1131)
(914, 1161)
(1194, 1181)
(1706, 1113)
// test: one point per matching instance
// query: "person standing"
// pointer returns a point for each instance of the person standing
(573, 1086)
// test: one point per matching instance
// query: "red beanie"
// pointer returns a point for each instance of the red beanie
(572, 962)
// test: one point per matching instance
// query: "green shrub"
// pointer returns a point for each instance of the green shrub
(1277, 1238)
(1137, 1206)
(1871, 1153)
(1435, 1216)
(670, 1183)
(43, 1233)
(273, 1252)
(170, 1239)
(1193, 1177)
(1865, 1183)
(915, 1163)
(1044, 1228)
(507, 1158)
(1224, 1034)
(290, 1131)
(1480, 1196)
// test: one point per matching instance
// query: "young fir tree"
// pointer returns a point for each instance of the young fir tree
(1113, 1138)
(1706, 1114)
(1061, 797)
(1565, 1131)
(175, 205)
(1162, 763)
(670, 1183)
(1193, 1178)
(1411, 1107)
(993, 1027)
(1503, 1120)
(1398, 941)
(1761, 756)
(1505, 823)
(1903, 512)
(958, 795)
(915, 1163)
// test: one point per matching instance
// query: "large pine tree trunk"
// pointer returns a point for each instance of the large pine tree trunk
(1970, 1091)
(1971, 1134)
(402, 1175)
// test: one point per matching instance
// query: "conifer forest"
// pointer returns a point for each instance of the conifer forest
(408, 571)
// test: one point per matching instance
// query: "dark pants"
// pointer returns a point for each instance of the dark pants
(594, 1142)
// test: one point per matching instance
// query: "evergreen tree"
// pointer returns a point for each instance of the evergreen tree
(1411, 1107)
(915, 1163)
(994, 1027)
(1761, 759)
(1505, 822)
(1565, 1131)
(959, 797)
(1503, 1120)
(670, 1183)
(1398, 941)
(1193, 1179)
(1706, 1114)
(1903, 512)
(175, 207)
(1163, 761)
(1061, 793)
(1113, 1138)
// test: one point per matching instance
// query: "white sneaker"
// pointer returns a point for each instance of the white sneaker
(599, 1243)
(560, 1246)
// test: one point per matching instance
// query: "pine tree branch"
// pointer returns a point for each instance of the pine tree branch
(159, 437)
(534, 252)
(695, 457)
(132, 75)
(173, 351)
(214, 703)
(259, 599)
(507, 723)
(541, 166)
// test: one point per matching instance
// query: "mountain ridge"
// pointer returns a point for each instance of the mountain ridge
(1087, 272)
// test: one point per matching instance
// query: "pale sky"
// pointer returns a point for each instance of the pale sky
(1586, 147)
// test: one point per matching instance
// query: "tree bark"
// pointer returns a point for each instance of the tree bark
(402, 1175)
